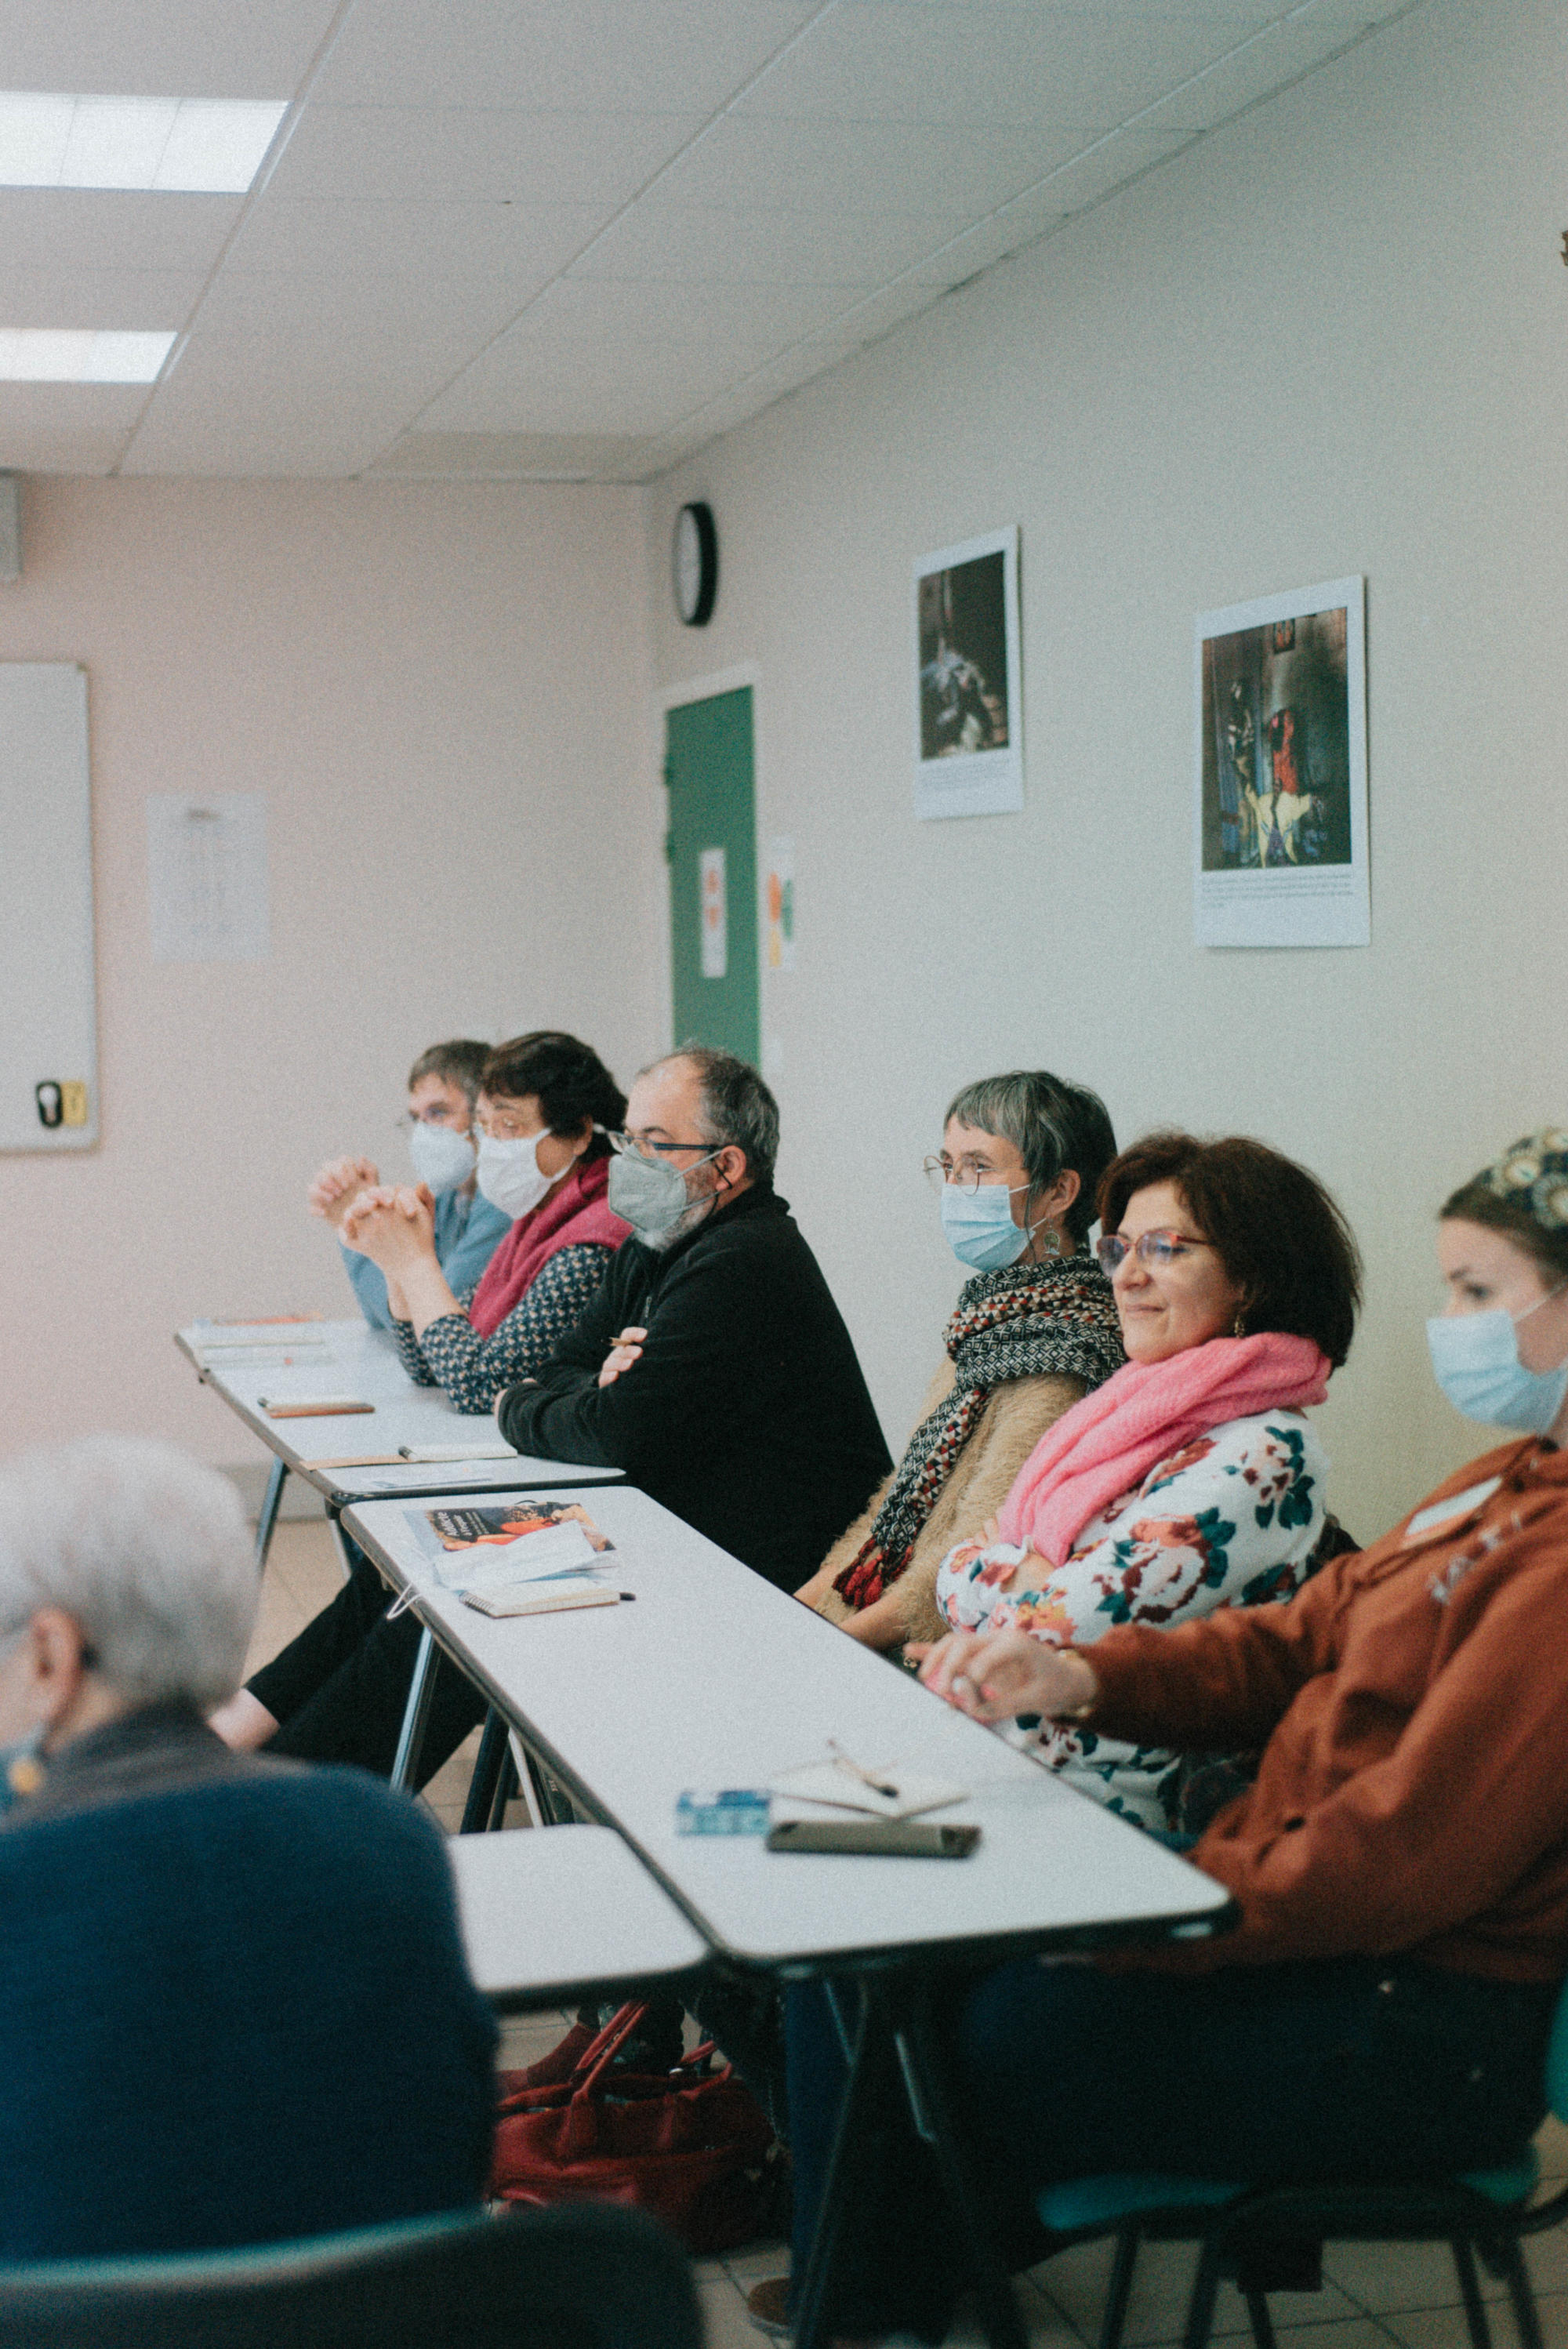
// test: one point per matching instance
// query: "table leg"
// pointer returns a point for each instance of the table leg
(484, 1785)
(416, 1712)
(926, 2085)
(893, 2053)
(277, 1478)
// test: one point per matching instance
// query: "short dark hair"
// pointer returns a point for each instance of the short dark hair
(737, 1108)
(1281, 1236)
(1476, 1202)
(458, 1063)
(565, 1077)
(1055, 1127)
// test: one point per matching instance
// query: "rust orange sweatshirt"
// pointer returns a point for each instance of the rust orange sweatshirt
(1412, 1701)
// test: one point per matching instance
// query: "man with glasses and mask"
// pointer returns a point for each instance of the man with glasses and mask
(443, 1085)
(712, 1366)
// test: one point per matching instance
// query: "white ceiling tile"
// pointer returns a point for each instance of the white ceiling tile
(887, 61)
(431, 241)
(885, 309)
(679, 244)
(59, 228)
(125, 299)
(1264, 63)
(588, 56)
(863, 166)
(588, 314)
(1017, 225)
(67, 427)
(507, 456)
(476, 154)
(423, 333)
(162, 48)
(1111, 165)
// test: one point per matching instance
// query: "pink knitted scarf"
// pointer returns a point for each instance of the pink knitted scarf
(1106, 1445)
(573, 1212)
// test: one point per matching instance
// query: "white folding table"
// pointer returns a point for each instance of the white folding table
(354, 1457)
(553, 1916)
(713, 1679)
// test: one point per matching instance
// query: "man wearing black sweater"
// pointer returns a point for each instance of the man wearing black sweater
(713, 1365)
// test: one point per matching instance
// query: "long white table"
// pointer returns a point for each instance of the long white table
(712, 1679)
(364, 1364)
(554, 1915)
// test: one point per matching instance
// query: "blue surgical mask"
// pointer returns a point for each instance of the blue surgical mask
(441, 1158)
(1475, 1358)
(980, 1227)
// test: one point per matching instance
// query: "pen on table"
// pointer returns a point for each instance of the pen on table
(846, 1761)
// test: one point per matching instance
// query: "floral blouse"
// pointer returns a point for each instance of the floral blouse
(475, 1370)
(1231, 1519)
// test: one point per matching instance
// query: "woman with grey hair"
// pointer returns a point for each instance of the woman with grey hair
(236, 2005)
(1034, 1330)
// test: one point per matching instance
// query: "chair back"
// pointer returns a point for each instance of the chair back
(1557, 2058)
(585, 2278)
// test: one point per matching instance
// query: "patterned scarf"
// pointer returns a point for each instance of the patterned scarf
(1029, 1320)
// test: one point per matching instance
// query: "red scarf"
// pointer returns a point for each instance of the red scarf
(1106, 1445)
(574, 1211)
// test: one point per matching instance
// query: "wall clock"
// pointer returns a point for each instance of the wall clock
(695, 564)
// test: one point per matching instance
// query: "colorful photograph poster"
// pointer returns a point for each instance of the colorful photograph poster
(1280, 814)
(778, 904)
(968, 722)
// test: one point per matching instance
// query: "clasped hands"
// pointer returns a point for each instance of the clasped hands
(394, 1224)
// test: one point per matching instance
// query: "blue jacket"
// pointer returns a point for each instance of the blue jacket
(232, 2010)
(468, 1234)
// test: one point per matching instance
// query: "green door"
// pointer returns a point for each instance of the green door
(712, 852)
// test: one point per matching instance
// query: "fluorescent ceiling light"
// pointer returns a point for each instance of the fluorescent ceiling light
(207, 146)
(47, 355)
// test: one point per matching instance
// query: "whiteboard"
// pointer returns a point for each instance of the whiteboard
(48, 1049)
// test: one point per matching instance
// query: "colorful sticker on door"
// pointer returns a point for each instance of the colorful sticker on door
(780, 904)
(714, 913)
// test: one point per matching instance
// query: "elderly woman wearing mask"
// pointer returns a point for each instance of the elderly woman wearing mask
(1401, 1862)
(1035, 1327)
(208, 1957)
(1190, 1480)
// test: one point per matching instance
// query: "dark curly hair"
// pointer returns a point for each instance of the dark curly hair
(1282, 1239)
(567, 1078)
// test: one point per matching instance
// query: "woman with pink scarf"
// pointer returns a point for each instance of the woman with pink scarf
(1190, 1480)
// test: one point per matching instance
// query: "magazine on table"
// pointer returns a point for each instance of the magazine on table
(499, 1547)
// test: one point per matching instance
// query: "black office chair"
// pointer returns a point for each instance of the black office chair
(585, 2278)
(1270, 2237)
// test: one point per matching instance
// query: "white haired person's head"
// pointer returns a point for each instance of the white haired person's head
(126, 1566)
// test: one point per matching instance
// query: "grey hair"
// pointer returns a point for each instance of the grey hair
(1054, 1126)
(146, 1550)
(736, 1106)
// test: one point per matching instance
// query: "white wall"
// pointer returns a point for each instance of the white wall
(443, 693)
(1330, 338)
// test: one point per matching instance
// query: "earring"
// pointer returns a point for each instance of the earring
(1240, 1330)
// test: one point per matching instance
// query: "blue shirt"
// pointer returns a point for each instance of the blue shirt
(468, 1234)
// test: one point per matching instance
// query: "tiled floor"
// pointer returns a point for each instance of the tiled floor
(1374, 2296)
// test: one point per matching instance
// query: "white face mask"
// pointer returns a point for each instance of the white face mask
(511, 1177)
(441, 1158)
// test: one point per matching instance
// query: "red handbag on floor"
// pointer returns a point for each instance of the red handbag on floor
(690, 2146)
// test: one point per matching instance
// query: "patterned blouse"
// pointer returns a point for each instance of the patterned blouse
(1230, 1520)
(475, 1370)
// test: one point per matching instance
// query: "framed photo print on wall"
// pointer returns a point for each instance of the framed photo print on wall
(968, 701)
(1280, 786)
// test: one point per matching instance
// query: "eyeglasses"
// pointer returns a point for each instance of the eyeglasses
(497, 1126)
(1162, 1249)
(962, 1174)
(630, 1145)
(436, 1115)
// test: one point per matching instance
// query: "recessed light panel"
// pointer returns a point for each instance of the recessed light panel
(207, 146)
(48, 355)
